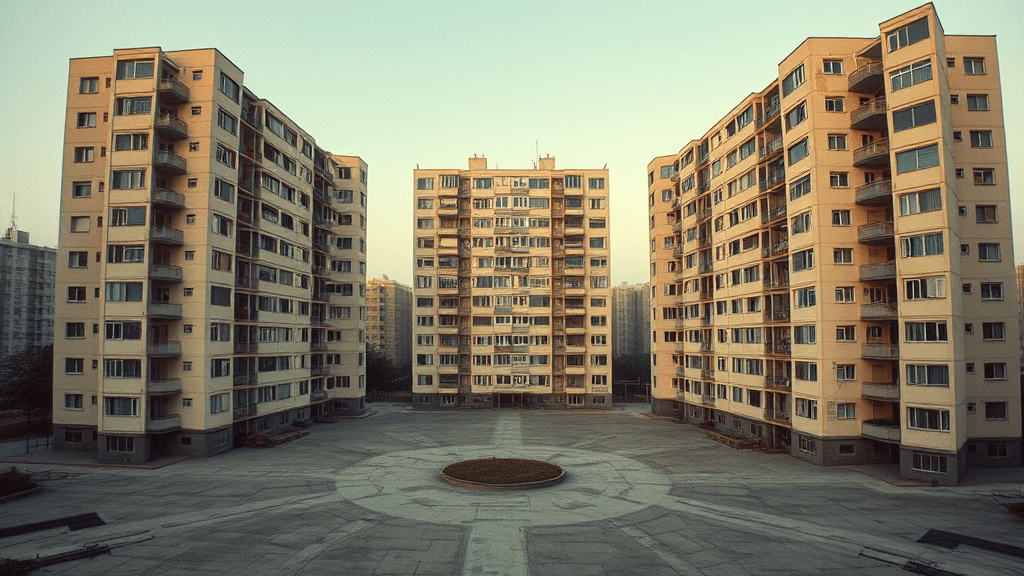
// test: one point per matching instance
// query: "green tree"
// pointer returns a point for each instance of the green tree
(632, 368)
(26, 381)
(384, 376)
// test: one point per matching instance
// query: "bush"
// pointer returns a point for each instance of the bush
(12, 481)
(10, 567)
(257, 441)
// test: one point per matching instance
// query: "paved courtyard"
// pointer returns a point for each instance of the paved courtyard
(641, 496)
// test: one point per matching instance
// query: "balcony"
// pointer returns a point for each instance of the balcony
(168, 162)
(884, 430)
(171, 127)
(869, 117)
(158, 424)
(874, 155)
(163, 387)
(883, 392)
(771, 148)
(781, 348)
(164, 273)
(708, 399)
(171, 91)
(774, 214)
(777, 415)
(168, 199)
(165, 349)
(244, 378)
(873, 193)
(243, 412)
(317, 395)
(778, 382)
(876, 232)
(707, 347)
(677, 227)
(880, 351)
(770, 111)
(776, 283)
(867, 79)
(774, 179)
(247, 282)
(879, 311)
(878, 271)
(165, 235)
(780, 315)
(252, 118)
(164, 310)
(246, 347)
(707, 373)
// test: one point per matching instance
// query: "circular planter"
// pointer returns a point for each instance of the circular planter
(502, 474)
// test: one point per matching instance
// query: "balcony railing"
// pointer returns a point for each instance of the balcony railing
(879, 311)
(169, 161)
(878, 271)
(780, 315)
(867, 79)
(774, 179)
(708, 399)
(773, 214)
(163, 423)
(770, 148)
(166, 235)
(166, 349)
(875, 154)
(172, 91)
(876, 232)
(770, 111)
(778, 415)
(246, 347)
(778, 382)
(247, 282)
(886, 392)
(880, 351)
(171, 127)
(163, 387)
(783, 348)
(244, 378)
(869, 117)
(165, 273)
(877, 192)
(241, 412)
(168, 199)
(317, 395)
(163, 310)
(707, 373)
(884, 430)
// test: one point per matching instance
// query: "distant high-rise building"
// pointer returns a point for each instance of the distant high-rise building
(389, 318)
(27, 277)
(631, 319)
(833, 259)
(512, 287)
(216, 262)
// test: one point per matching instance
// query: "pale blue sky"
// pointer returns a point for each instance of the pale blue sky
(432, 83)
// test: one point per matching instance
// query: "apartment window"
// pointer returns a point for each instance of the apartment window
(222, 366)
(220, 296)
(74, 330)
(803, 260)
(837, 141)
(984, 177)
(914, 116)
(122, 368)
(981, 138)
(918, 202)
(927, 375)
(977, 102)
(974, 66)
(86, 120)
(133, 253)
(842, 256)
(995, 371)
(846, 333)
(909, 75)
(928, 419)
(926, 332)
(798, 152)
(595, 183)
(840, 217)
(127, 69)
(845, 294)
(802, 223)
(910, 34)
(807, 408)
(991, 290)
(928, 463)
(988, 252)
(839, 179)
(223, 190)
(832, 67)
(834, 105)
(796, 116)
(229, 87)
(993, 330)
(222, 225)
(925, 288)
(133, 106)
(793, 80)
(985, 214)
(89, 85)
(227, 121)
(803, 335)
(123, 330)
(83, 154)
(76, 294)
(800, 188)
(225, 155)
(127, 179)
(917, 159)
(131, 142)
(924, 245)
(846, 411)
(78, 260)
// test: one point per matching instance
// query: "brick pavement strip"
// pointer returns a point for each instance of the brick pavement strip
(642, 496)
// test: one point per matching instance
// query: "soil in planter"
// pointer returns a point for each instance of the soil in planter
(502, 471)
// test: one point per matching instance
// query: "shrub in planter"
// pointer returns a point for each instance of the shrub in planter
(12, 481)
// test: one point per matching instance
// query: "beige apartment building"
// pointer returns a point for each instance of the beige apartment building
(631, 319)
(27, 276)
(216, 262)
(511, 302)
(389, 318)
(833, 259)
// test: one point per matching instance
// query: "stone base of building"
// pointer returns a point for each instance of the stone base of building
(348, 406)
(71, 438)
(927, 466)
(563, 401)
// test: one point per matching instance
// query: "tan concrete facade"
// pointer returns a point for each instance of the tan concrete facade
(205, 286)
(512, 298)
(833, 260)
(389, 318)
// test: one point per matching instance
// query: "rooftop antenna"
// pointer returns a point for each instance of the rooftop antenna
(12, 231)
(536, 144)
